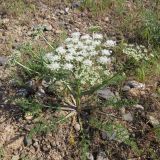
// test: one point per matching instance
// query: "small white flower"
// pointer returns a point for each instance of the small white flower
(110, 43)
(76, 35)
(97, 36)
(85, 37)
(72, 51)
(106, 52)
(68, 66)
(107, 72)
(69, 57)
(79, 58)
(96, 43)
(90, 48)
(104, 60)
(60, 50)
(48, 56)
(87, 62)
(88, 42)
(93, 53)
(54, 66)
(68, 40)
(54, 58)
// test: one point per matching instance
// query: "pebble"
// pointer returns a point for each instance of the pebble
(104, 135)
(16, 157)
(66, 10)
(135, 84)
(153, 121)
(22, 92)
(127, 117)
(90, 156)
(27, 141)
(126, 88)
(47, 27)
(106, 19)
(102, 156)
(3, 60)
(36, 145)
(138, 106)
(106, 93)
(77, 127)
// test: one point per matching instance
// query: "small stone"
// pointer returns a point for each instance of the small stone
(27, 141)
(135, 84)
(153, 121)
(36, 145)
(77, 127)
(138, 106)
(101, 156)
(90, 156)
(66, 10)
(16, 157)
(22, 92)
(106, 93)
(126, 88)
(106, 19)
(128, 117)
(46, 148)
(76, 4)
(3, 60)
(47, 27)
(104, 135)
(28, 117)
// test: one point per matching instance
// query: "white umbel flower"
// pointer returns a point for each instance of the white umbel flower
(76, 35)
(106, 52)
(85, 37)
(79, 59)
(69, 57)
(87, 62)
(68, 66)
(54, 66)
(110, 43)
(48, 55)
(97, 36)
(104, 60)
(60, 50)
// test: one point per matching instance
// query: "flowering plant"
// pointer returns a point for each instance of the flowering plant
(80, 63)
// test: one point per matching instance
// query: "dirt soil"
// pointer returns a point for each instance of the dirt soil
(63, 142)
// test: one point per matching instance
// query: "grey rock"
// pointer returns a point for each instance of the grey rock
(22, 92)
(36, 145)
(3, 60)
(111, 136)
(66, 10)
(46, 148)
(127, 117)
(104, 135)
(135, 84)
(153, 121)
(16, 157)
(27, 141)
(101, 156)
(106, 93)
(138, 106)
(47, 27)
(90, 156)
(126, 88)
(76, 4)
(77, 127)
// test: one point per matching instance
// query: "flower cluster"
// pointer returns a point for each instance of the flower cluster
(137, 52)
(84, 57)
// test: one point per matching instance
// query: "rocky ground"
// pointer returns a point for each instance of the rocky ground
(141, 119)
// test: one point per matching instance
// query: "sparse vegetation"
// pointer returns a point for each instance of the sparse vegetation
(76, 78)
